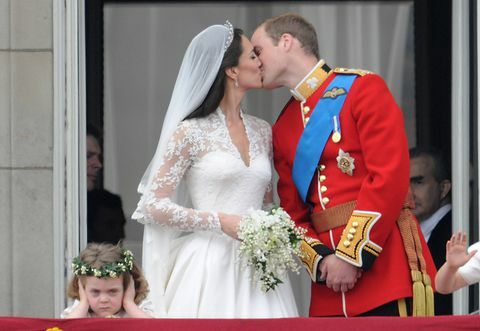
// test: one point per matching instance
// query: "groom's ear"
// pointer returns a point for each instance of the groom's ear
(286, 41)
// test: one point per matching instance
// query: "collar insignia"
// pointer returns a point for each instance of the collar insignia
(312, 81)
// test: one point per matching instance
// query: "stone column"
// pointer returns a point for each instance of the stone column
(26, 154)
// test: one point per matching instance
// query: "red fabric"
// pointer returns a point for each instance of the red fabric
(439, 323)
(373, 133)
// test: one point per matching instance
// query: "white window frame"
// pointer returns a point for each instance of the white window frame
(69, 178)
(460, 131)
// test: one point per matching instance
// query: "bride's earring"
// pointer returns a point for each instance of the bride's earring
(236, 82)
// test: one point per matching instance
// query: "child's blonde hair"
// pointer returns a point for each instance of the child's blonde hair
(98, 255)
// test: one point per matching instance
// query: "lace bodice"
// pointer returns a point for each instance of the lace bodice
(202, 154)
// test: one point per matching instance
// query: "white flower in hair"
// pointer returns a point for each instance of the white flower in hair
(112, 270)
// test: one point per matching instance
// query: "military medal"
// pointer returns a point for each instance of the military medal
(336, 135)
(345, 162)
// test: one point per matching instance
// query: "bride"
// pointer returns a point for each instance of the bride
(212, 163)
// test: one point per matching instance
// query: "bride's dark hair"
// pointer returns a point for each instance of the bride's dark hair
(217, 90)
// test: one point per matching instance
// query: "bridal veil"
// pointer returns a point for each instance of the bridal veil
(198, 70)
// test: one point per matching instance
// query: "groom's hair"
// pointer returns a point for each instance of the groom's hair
(295, 25)
(217, 90)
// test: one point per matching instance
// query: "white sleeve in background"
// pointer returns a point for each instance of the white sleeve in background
(470, 272)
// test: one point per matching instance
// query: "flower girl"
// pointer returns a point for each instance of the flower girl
(106, 282)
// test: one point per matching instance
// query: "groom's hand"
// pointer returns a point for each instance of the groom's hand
(339, 275)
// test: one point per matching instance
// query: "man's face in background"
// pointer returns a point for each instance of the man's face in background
(94, 164)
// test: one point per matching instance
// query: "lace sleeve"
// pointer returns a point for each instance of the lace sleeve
(158, 206)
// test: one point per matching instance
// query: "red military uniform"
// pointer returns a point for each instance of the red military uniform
(375, 176)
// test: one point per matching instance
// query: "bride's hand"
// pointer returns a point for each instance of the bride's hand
(229, 224)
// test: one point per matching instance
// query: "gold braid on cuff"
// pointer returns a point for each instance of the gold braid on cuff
(355, 245)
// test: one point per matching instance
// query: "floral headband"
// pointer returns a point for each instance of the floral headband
(112, 269)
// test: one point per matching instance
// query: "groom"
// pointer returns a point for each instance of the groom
(341, 154)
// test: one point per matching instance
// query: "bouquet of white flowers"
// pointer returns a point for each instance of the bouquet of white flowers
(270, 243)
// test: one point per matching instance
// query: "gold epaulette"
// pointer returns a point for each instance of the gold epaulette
(360, 72)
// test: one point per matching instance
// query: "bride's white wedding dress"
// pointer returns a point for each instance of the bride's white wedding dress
(202, 275)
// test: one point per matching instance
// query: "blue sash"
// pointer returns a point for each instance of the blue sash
(318, 129)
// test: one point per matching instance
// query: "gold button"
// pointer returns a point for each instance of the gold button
(306, 109)
(323, 189)
(307, 119)
(322, 178)
(325, 200)
(346, 243)
(355, 224)
(349, 236)
(321, 167)
(352, 230)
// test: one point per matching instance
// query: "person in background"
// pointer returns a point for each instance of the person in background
(431, 186)
(105, 216)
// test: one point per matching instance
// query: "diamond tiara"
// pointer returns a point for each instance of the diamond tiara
(229, 40)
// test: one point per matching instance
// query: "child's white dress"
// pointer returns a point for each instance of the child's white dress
(471, 270)
(146, 306)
